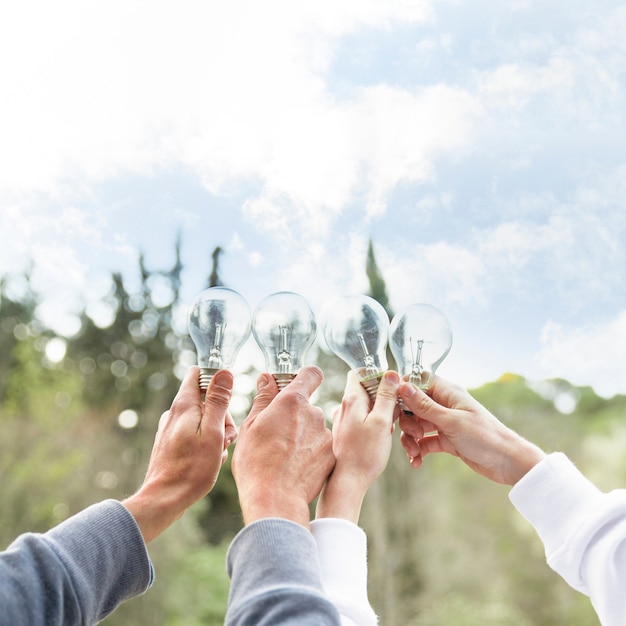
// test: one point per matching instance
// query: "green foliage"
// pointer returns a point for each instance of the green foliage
(445, 545)
(198, 589)
(378, 286)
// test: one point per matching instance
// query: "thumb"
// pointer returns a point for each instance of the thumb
(219, 392)
(386, 396)
(422, 405)
(266, 391)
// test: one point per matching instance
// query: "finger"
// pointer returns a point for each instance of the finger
(230, 430)
(422, 405)
(224, 456)
(355, 404)
(266, 391)
(307, 380)
(387, 394)
(434, 443)
(163, 421)
(189, 392)
(411, 425)
(410, 445)
(219, 392)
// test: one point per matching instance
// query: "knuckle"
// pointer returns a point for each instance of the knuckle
(349, 400)
(218, 397)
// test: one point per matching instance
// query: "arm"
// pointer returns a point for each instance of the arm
(362, 445)
(583, 531)
(190, 447)
(275, 577)
(280, 463)
(78, 572)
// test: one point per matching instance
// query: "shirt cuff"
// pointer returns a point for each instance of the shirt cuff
(342, 549)
(554, 497)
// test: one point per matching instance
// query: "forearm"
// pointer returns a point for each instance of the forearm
(342, 497)
(76, 573)
(583, 531)
(275, 578)
(154, 513)
(519, 456)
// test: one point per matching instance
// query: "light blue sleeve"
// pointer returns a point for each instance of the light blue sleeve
(275, 578)
(76, 573)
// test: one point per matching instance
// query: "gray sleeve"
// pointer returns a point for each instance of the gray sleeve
(76, 573)
(275, 578)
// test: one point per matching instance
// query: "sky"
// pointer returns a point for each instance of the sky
(480, 145)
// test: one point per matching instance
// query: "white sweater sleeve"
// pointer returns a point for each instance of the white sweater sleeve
(583, 531)
(342, 548)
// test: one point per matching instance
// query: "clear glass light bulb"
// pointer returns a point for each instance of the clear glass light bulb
(420, 338)
(356, 330)
(284, 327)
(219, 324)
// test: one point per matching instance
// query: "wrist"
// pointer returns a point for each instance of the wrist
(154, 511)
(342, 497)
(259, 504)
(524, 458)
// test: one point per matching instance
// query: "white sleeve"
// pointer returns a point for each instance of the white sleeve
(342, 548)
(583, 531)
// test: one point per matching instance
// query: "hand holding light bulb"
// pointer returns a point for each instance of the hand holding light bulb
(219, 324)
(420, 338)
(356, 331)
(284, 327)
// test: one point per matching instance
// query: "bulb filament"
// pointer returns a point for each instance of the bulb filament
(368, 359)
(284, 355)
(417, 368)
(215, 354)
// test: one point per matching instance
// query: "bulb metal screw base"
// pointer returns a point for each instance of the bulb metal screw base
(403, 407)
(206, 375)
(371, 385)
(282, 380)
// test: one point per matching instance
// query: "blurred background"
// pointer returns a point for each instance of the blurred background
(78, 418)
(467, 154)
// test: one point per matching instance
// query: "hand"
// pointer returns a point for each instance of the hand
(465, 429)
(362, 445)
(190, 447)
(284, 453)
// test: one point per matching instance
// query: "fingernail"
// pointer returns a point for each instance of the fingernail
(408, 390)
(223, 378)
(262, 382)
(392, 377)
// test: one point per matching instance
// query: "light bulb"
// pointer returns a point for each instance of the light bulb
(284, 327)
(420, 338)
(356, 330)
(219, 324)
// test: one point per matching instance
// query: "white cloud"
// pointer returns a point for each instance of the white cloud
(240, 94)
(571, 76)
(594, 354)
(236, 92)
(402, 132)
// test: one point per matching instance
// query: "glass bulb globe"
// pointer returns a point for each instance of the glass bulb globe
(219, 324)
(284, 327)
(356, 330)
(420, 338)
